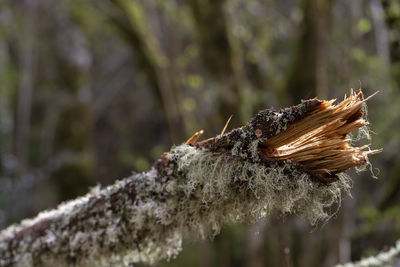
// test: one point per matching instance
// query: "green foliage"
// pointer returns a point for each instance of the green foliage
(364, 26)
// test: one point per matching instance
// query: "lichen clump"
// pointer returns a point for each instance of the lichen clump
(250, 191)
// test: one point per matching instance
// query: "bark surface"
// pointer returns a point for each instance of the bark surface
(195, 188)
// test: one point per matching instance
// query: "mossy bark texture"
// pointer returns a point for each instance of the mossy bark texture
(191, 190)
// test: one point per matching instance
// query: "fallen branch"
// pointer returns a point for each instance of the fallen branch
(289, 161)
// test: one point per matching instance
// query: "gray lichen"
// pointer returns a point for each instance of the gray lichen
(249, 191)
(145, 217)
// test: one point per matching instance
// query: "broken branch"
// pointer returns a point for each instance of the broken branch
(289, 161)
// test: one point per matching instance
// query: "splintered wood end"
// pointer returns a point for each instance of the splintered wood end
(319, 141)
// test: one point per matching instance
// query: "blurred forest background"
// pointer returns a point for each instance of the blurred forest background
(91, 90)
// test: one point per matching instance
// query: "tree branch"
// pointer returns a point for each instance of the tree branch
(193, 189)
(388, 257)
